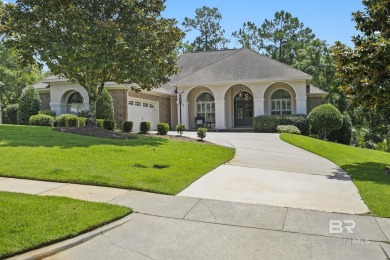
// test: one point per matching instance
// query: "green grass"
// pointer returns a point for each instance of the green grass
(147, 163)
(366, 168)
(28, 221)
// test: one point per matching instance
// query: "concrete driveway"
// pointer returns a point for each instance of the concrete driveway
(269, 171)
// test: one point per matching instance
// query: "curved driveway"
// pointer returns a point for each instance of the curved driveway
(269, 171)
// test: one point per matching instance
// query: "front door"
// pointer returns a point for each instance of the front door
(243, 109)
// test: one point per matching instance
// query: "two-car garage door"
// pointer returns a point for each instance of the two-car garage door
(140, 110)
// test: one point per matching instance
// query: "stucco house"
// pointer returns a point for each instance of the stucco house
(225, 89)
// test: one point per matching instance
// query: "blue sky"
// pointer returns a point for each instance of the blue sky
(330, 20)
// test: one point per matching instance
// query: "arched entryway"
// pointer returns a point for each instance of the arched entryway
(75, 103)
(243, 109)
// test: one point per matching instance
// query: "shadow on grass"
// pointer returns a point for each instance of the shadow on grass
(368, 172)
(25, 136)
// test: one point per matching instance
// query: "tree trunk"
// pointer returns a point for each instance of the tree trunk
(92, 111)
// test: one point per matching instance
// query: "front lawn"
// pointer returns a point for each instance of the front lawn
(366, 168)
(146, 163)
(28, 222)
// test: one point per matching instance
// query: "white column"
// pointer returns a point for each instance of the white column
(259, 106)
(301, 102)
(220, 114)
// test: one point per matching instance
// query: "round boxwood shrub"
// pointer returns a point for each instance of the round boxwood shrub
(99, 122)
(291, 129)
(324, 119)
(72, 121)
(29, 105)
(109, 124)
(105, 106)
(41, 120)
(344, 134)
(144, 127)
(11, 112)
(127, 126)
(269, 123)
(162, 128)
(82, 121)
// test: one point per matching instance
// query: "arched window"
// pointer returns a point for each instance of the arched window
(205, 107)
(75, 103)
(281, 103)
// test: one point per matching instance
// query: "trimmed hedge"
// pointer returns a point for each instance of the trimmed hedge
(29, 105)
(105, 106)
(47, 112)
(162, 128)
(127, 126)
(99, 122)
(344, 134)
(11, 112)
(144, 127)
(82, 121)
(269, 123)
(109, 124)
(324, 119)
(41, 120)
(180, 129)
(291, 129)
(67, 120)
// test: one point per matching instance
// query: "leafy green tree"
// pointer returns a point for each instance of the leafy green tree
(105, 106)
(207, 22)
(92, 42)
(279, 38)
(29, 105)
(14, 76)
(365, 69)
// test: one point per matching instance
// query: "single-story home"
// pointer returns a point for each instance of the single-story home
(225, 89)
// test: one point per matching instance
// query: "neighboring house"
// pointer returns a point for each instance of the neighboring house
(225, 88)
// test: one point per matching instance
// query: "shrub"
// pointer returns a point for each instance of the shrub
(83, 113)
(202, 133)
(82, 121)
(127, 126)
(162, 128)
(47, 112)
(144, 127)
(291, 129)
(109, 124)
(99, 122)
(180, 129)
(269, 123)
(72, 121)
(41, 120)
(344, 134)
(29, 105)
(324, 119)
(11, 112)
(105, 106)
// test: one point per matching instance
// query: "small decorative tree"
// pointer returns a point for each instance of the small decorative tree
(202, 133)
(324, 119)
(29, 105)
(180, 129)
(105, 106)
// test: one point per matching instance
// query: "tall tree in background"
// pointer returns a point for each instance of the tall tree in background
(92, 42)
(14, 76)
(207, 22)
(366, 68)
(279, 38)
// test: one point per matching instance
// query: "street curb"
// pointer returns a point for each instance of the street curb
(69, 243)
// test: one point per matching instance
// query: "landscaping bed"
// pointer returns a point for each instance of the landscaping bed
(147, 163)
(28, 222)
(366, 168)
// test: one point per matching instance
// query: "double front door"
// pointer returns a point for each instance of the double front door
(243, 110)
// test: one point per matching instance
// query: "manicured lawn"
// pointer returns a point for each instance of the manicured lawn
(28, 222)
(366, 168)
(147, 163)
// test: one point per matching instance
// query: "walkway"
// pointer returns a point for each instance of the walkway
(269, 171)
(173, 227)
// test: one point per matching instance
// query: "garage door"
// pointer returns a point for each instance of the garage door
(143, 110)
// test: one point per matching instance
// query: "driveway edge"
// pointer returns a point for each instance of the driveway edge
(69, 243)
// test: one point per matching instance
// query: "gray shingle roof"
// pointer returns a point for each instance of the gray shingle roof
(231, 66)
